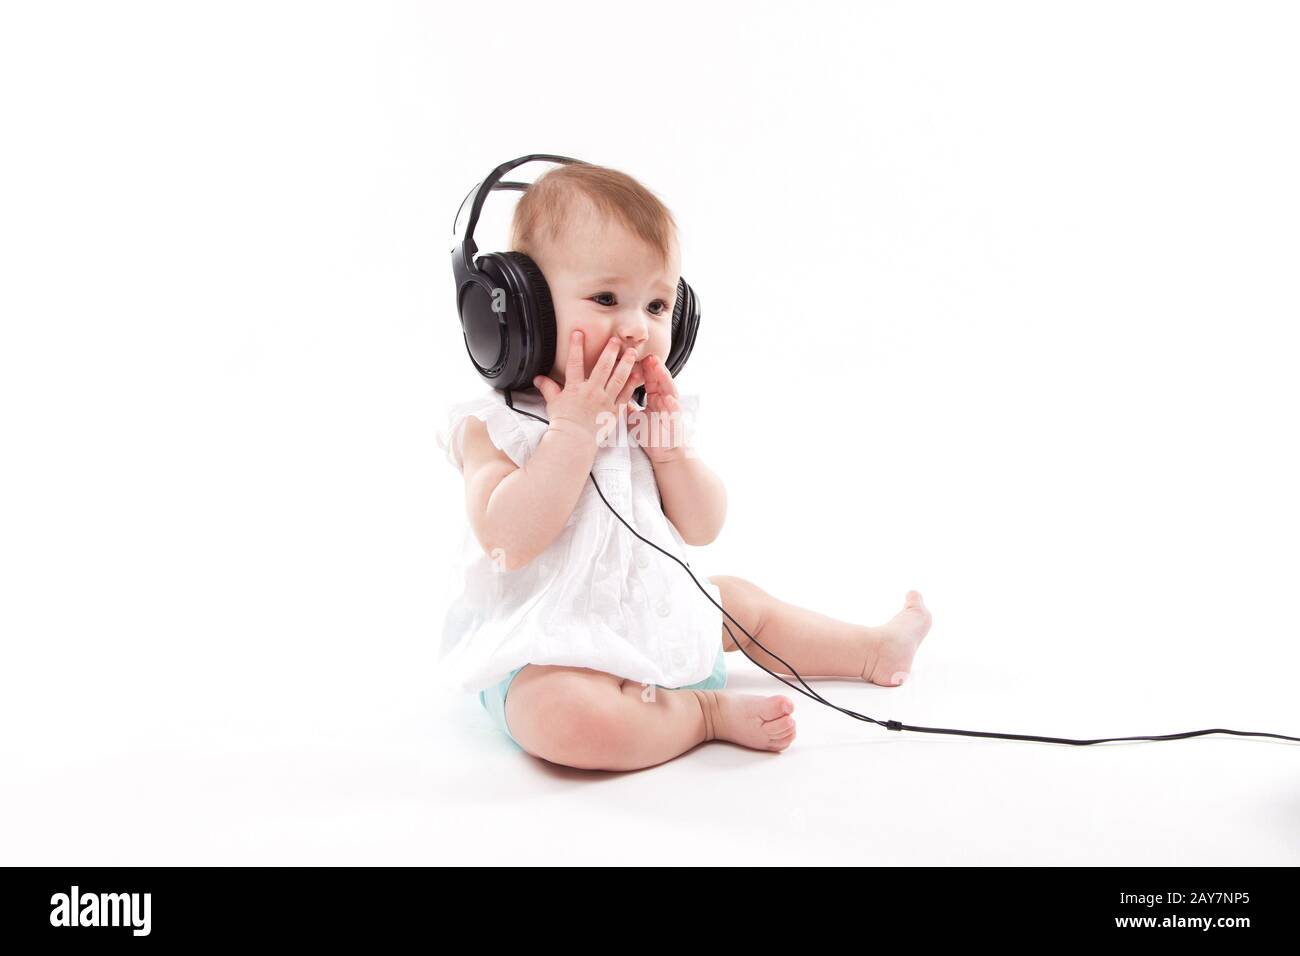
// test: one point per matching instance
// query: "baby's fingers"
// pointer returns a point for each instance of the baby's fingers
(622, 371)
(665, 378)
(547, 387)
(635, 381)
(574, 370)
(600, 371)
(657, 378)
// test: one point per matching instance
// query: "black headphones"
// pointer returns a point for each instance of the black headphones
(505, 307)
(509, 325)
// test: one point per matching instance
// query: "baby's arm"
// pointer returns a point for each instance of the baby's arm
(517, 512)
(694, 498)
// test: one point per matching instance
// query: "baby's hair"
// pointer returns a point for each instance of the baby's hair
(547, 206)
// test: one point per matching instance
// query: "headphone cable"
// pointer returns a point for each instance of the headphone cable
(887, 724)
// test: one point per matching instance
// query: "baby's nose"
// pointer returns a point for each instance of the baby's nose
(634, 338)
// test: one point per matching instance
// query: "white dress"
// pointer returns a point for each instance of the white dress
(597, 596)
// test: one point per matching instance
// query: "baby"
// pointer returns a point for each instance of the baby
(609, 253)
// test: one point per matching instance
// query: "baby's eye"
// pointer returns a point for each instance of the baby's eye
(600, 295)
(662, 304)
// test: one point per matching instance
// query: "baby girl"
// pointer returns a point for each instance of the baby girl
(589, 648)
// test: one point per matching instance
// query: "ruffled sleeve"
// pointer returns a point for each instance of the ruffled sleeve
(504, 427)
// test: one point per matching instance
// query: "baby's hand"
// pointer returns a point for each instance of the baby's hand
(659, 429)
(582, 400)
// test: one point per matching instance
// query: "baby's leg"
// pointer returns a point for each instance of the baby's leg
(591, 720)
(817, 645)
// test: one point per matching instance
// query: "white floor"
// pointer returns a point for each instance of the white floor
(375, 779)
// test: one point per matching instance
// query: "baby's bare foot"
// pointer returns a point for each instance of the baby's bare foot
(760, 723)
(897, 642)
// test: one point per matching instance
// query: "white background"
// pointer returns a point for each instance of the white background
(1000, 303)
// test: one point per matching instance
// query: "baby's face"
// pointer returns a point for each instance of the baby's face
(607, 282)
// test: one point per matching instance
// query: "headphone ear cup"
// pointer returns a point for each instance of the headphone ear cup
(488, 323)
(508, 320)
(541, 315)
(686, 323)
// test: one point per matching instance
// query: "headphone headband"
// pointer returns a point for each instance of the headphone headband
(467, 247)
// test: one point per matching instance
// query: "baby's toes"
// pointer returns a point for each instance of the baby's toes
(782, 725)
(778, 722)
(781, 741)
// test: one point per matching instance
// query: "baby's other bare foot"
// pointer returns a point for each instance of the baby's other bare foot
(897, 642)
(751, 720)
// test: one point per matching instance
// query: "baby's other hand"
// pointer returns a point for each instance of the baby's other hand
(659, 429)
